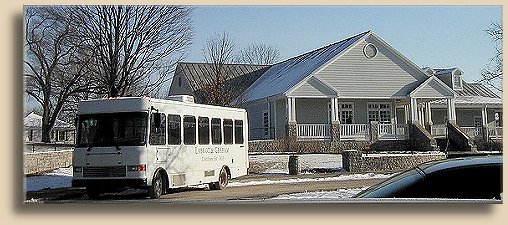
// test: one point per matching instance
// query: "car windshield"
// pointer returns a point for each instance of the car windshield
(112, 129)
(391, 187)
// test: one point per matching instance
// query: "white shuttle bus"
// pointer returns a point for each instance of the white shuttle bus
(156, 144)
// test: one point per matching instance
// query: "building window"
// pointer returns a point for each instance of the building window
(457, 82)
(370, 50)
(346, 112)
(499, 119)
(477, 121)
(31, 135)
(266, 123)
(381, 112)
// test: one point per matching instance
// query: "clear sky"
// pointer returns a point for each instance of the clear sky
(435, 36)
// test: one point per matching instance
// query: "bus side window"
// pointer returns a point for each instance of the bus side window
(216, 131)
(158, 134)
(228, 131)
(203, 131)
(238, 131)
(189, 130)
(174, 130)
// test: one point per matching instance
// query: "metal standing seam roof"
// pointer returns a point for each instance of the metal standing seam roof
(476, 89)
(199, 74)
(286, 74)
(474, 94)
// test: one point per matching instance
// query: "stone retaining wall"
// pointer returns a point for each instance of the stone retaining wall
(355, 161)
(280, 145)
(35, 163)
(326, 146)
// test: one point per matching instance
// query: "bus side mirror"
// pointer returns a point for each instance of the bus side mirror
(157, 120)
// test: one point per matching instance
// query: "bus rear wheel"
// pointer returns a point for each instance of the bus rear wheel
(157, 189)
(223, 181)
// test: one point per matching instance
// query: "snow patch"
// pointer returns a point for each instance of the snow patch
(300, 180)
(59, 178)
(338, 194)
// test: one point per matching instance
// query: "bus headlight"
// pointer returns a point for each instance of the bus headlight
(136, 168)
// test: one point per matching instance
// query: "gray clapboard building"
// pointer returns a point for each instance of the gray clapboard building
(62, 131)
(358, 92)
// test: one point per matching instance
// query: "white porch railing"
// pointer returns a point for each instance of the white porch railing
(354, 132)
(473, 132)
(496, 132)
(314, 131)
(439, 130)
(393, 131)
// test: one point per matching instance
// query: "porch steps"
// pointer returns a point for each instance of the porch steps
(448, 145)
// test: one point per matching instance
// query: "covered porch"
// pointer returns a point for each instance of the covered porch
(337, 118)
(358, 119)
(480, 123)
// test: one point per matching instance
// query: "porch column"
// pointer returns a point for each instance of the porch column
(413, 107)
(291, 117)
(406, 113)
(452, 118)
(484, 116)
(334, 103)
(485, 130)
(421, 115)
(335, 121)
(291, 110)
(428, 117)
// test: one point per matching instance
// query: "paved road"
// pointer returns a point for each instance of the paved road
(265, 191)
(202, 194)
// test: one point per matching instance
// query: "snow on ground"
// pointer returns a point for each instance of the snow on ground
(401, 153)
(338, 194)
(299, 180)
(59, 178)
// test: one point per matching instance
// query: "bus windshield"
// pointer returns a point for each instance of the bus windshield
(112, 129)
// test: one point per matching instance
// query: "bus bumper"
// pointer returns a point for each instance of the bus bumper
(110, 183)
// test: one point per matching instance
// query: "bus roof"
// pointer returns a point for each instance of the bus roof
(129, 104)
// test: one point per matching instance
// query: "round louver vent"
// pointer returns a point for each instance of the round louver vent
(370, 50)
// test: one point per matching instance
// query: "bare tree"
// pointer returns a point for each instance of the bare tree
(52, 72)
(261, 54)
(218, 51)
(136, 47)
(493, 74)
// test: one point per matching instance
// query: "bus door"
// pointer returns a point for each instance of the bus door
(157, 137)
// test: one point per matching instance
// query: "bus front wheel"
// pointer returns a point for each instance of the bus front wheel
(156, 190)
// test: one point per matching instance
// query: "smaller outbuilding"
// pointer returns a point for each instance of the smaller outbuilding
(62, 132)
